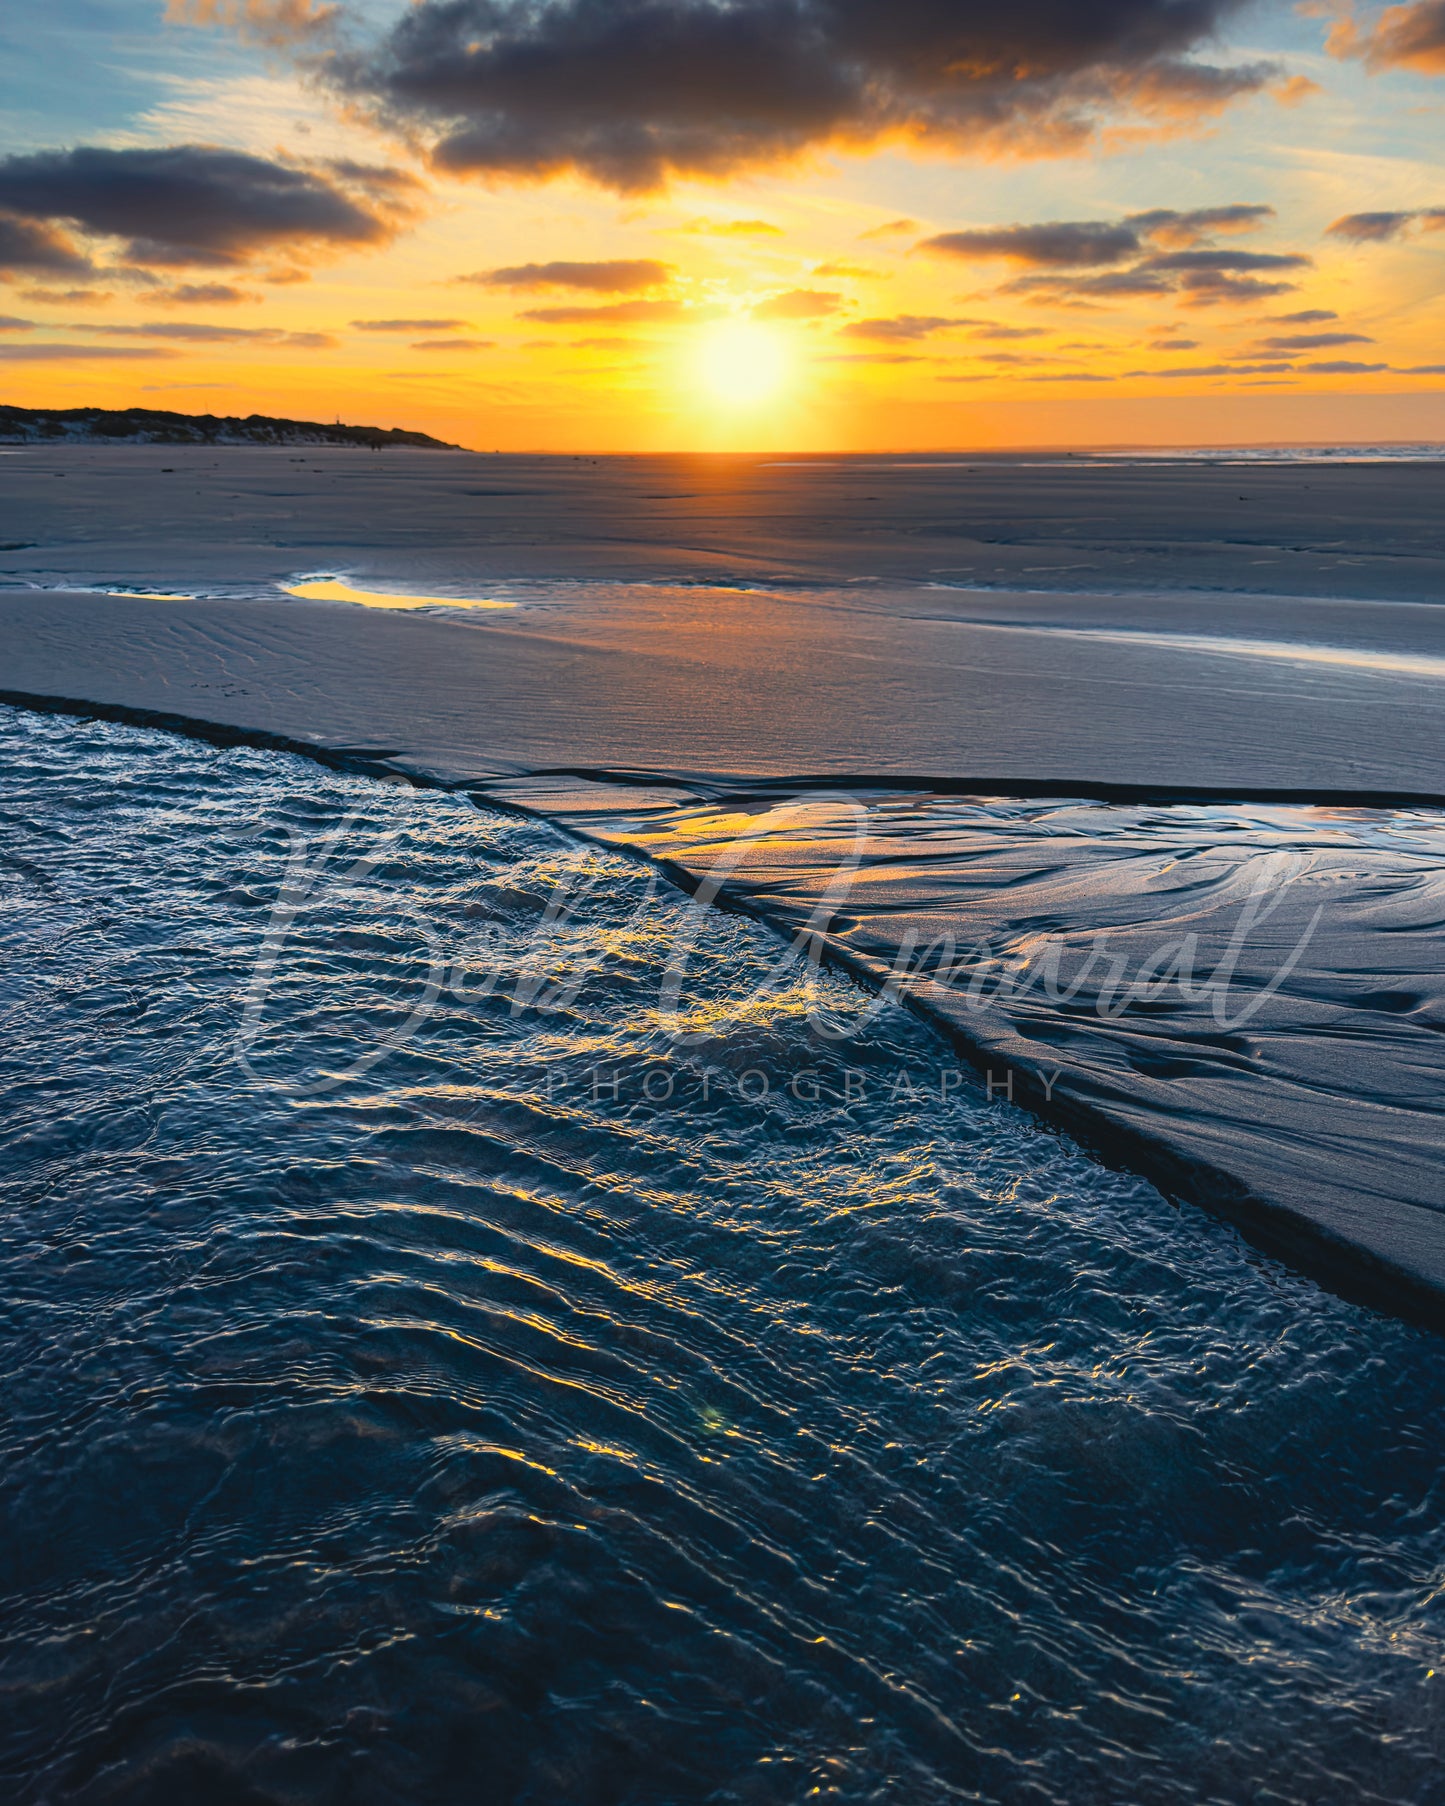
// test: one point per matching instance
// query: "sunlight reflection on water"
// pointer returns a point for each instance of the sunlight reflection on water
(477, 1429)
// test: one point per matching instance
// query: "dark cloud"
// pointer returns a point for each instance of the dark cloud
(41, 354)
(900, 327)
(66, 297)
(13, 323)
(1344, 367)
(1194, 278)
(1190, 262)
(1192, 370)
(35, 248)
(1116, 285)
(185, 204)
(1178, 231)
(631, 92)
(799, 304)
(1370, 228)
(614, 312)
(1216, 288)
(1315, 341)
(1306, 316)
(204, 294)
(197, 332)
(454, 345)
(617, 276)
(1174, 345)
(406, 325)
(1379, 228)
(873, 357)
(1423, 370)
(1078, 244)
(1403, 37)
(1060, 244)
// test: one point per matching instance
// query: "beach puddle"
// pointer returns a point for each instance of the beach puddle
(332, 589)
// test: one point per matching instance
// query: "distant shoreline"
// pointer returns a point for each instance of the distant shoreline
(157, 426)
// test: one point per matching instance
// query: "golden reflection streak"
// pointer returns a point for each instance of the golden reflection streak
(332, 589)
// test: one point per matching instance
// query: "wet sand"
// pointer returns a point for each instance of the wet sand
(1020, 627)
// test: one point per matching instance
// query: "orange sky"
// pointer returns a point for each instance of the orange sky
(1170, 276)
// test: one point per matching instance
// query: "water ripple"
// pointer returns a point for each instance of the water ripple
(438, 1427)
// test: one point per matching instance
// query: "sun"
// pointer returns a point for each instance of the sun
(742, 364)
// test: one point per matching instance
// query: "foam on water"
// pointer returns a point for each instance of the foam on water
(415, 1420)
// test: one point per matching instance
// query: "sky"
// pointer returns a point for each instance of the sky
(711, 225)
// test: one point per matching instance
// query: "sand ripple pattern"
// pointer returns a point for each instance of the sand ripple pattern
(444, 1433)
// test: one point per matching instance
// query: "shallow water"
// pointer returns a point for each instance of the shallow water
(393, 1414)
(1254, 989)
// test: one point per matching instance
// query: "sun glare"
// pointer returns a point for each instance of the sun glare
(742, 364)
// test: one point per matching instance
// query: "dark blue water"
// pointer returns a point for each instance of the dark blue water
(391, 1414)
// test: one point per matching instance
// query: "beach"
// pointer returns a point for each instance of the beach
(725, 1130)
(1140, 634)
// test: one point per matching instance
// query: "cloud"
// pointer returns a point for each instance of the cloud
(1306, 316)
(1379, 228)
(1423, 370)
(982, 331)
(1116, 285)
(66, 297)
(617, 311)
(454, 345)
(1344, 367)
(187, 204)
(799, 304)
(873, 357)
(406, 325)
(1215, 288)
(842, 271)
(32, 246)
(733, 228)
(618, 276)
(197, 332)
(1194, 370)
(633, 92)
(1403, 37)
(1090, 244)
(900, 327)
(1193, 262)
(1315, 341)
(890, 229)
(1178, 231)
(1174, 344)
(40, 354)
(1060, 244)
(204, 294)
(271, 22)
(1194, 278)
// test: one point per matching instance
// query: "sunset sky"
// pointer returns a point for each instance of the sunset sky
(622, 225)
